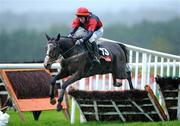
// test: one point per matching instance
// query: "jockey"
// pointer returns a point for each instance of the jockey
(89, 28)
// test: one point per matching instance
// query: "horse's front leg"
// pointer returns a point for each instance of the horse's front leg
(52, 91)
(72, 79)
(60, 75)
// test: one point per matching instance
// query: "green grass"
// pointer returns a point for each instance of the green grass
(53, 118)
(47, 118)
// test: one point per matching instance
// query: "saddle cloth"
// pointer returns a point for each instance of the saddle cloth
(105, 54)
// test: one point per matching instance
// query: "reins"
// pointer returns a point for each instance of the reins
(67, 51)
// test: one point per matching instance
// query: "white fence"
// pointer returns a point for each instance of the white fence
(145, 64)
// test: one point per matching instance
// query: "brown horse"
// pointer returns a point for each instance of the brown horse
(77, 64)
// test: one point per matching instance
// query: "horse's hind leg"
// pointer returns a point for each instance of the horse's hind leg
(129, 80)
(116, 82)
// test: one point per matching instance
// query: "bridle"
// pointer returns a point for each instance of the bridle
(55, 56)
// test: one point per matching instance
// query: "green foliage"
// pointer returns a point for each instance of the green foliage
(21, 45)
(162, 44)
(24, 45)
(156, 36)
(28, 45)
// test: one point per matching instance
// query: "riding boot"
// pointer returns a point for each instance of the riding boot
(96, 56)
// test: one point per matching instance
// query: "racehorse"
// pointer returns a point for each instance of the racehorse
(76, 63)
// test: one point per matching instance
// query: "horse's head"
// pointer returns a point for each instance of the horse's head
(52, 52)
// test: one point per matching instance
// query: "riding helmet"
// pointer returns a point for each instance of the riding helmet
(82, 11)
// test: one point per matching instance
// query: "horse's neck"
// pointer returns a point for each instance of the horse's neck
(68, 46)
(74, 51)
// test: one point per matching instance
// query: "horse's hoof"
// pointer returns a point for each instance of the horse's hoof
(53, 101)
(118, 84)
(59, 107)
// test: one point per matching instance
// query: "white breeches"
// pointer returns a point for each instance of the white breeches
(96, 35)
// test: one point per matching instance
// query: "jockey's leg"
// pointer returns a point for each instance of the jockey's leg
(96, 57)
(88, 46)
(93, 51)
(96, 35)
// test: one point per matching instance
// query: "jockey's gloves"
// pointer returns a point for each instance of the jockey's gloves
(70, 36)
(78, 42)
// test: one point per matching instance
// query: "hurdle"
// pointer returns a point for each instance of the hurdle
(125, 106)
(34, 96)
(169, 88)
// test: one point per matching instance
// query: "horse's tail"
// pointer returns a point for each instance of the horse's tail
(125, 51)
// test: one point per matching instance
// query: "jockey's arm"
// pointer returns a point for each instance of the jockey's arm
(87, 36)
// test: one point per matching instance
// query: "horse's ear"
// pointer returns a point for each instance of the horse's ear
(58, 37)
(47, 37)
